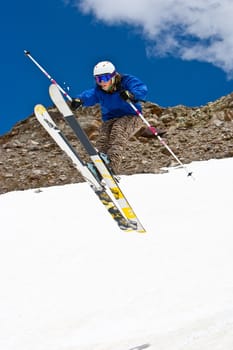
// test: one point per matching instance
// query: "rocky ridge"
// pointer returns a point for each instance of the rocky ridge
(29, 158)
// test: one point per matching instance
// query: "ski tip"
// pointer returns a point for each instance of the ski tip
(53, 87)
(39, 109)
(54, 90)
(26, 52)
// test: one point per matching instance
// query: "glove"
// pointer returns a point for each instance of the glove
(75, 103)
(126, 95)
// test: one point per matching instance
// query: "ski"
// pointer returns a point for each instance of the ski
(102, 168)
(50, 126)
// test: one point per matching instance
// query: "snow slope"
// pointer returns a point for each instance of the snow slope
(71, 280)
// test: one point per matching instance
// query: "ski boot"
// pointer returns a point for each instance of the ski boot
(107, 161)
(94, 171)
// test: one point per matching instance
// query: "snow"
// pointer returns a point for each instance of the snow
(71, 280)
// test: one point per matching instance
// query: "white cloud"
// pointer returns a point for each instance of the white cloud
(190, 29)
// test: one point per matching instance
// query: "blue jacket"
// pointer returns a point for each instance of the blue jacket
(111, 104)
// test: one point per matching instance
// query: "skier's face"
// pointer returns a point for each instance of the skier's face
(105, 85)
(105, 81)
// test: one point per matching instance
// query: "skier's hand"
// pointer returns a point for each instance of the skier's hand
(126, 95)
(75, 103)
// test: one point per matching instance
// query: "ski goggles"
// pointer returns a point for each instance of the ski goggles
(104, 77)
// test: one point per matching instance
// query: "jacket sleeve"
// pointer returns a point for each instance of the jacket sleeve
(135, 86)
(89, 97)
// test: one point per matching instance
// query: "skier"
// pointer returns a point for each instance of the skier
(120, 122)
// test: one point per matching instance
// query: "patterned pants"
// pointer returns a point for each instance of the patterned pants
(114, 135)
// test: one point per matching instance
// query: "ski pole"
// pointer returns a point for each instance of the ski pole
(155, 132)
(27, 53)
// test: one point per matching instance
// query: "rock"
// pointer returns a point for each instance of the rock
(29, 158)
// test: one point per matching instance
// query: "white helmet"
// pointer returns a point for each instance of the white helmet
(103, 68)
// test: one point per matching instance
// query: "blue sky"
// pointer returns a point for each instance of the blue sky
(184, 53)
